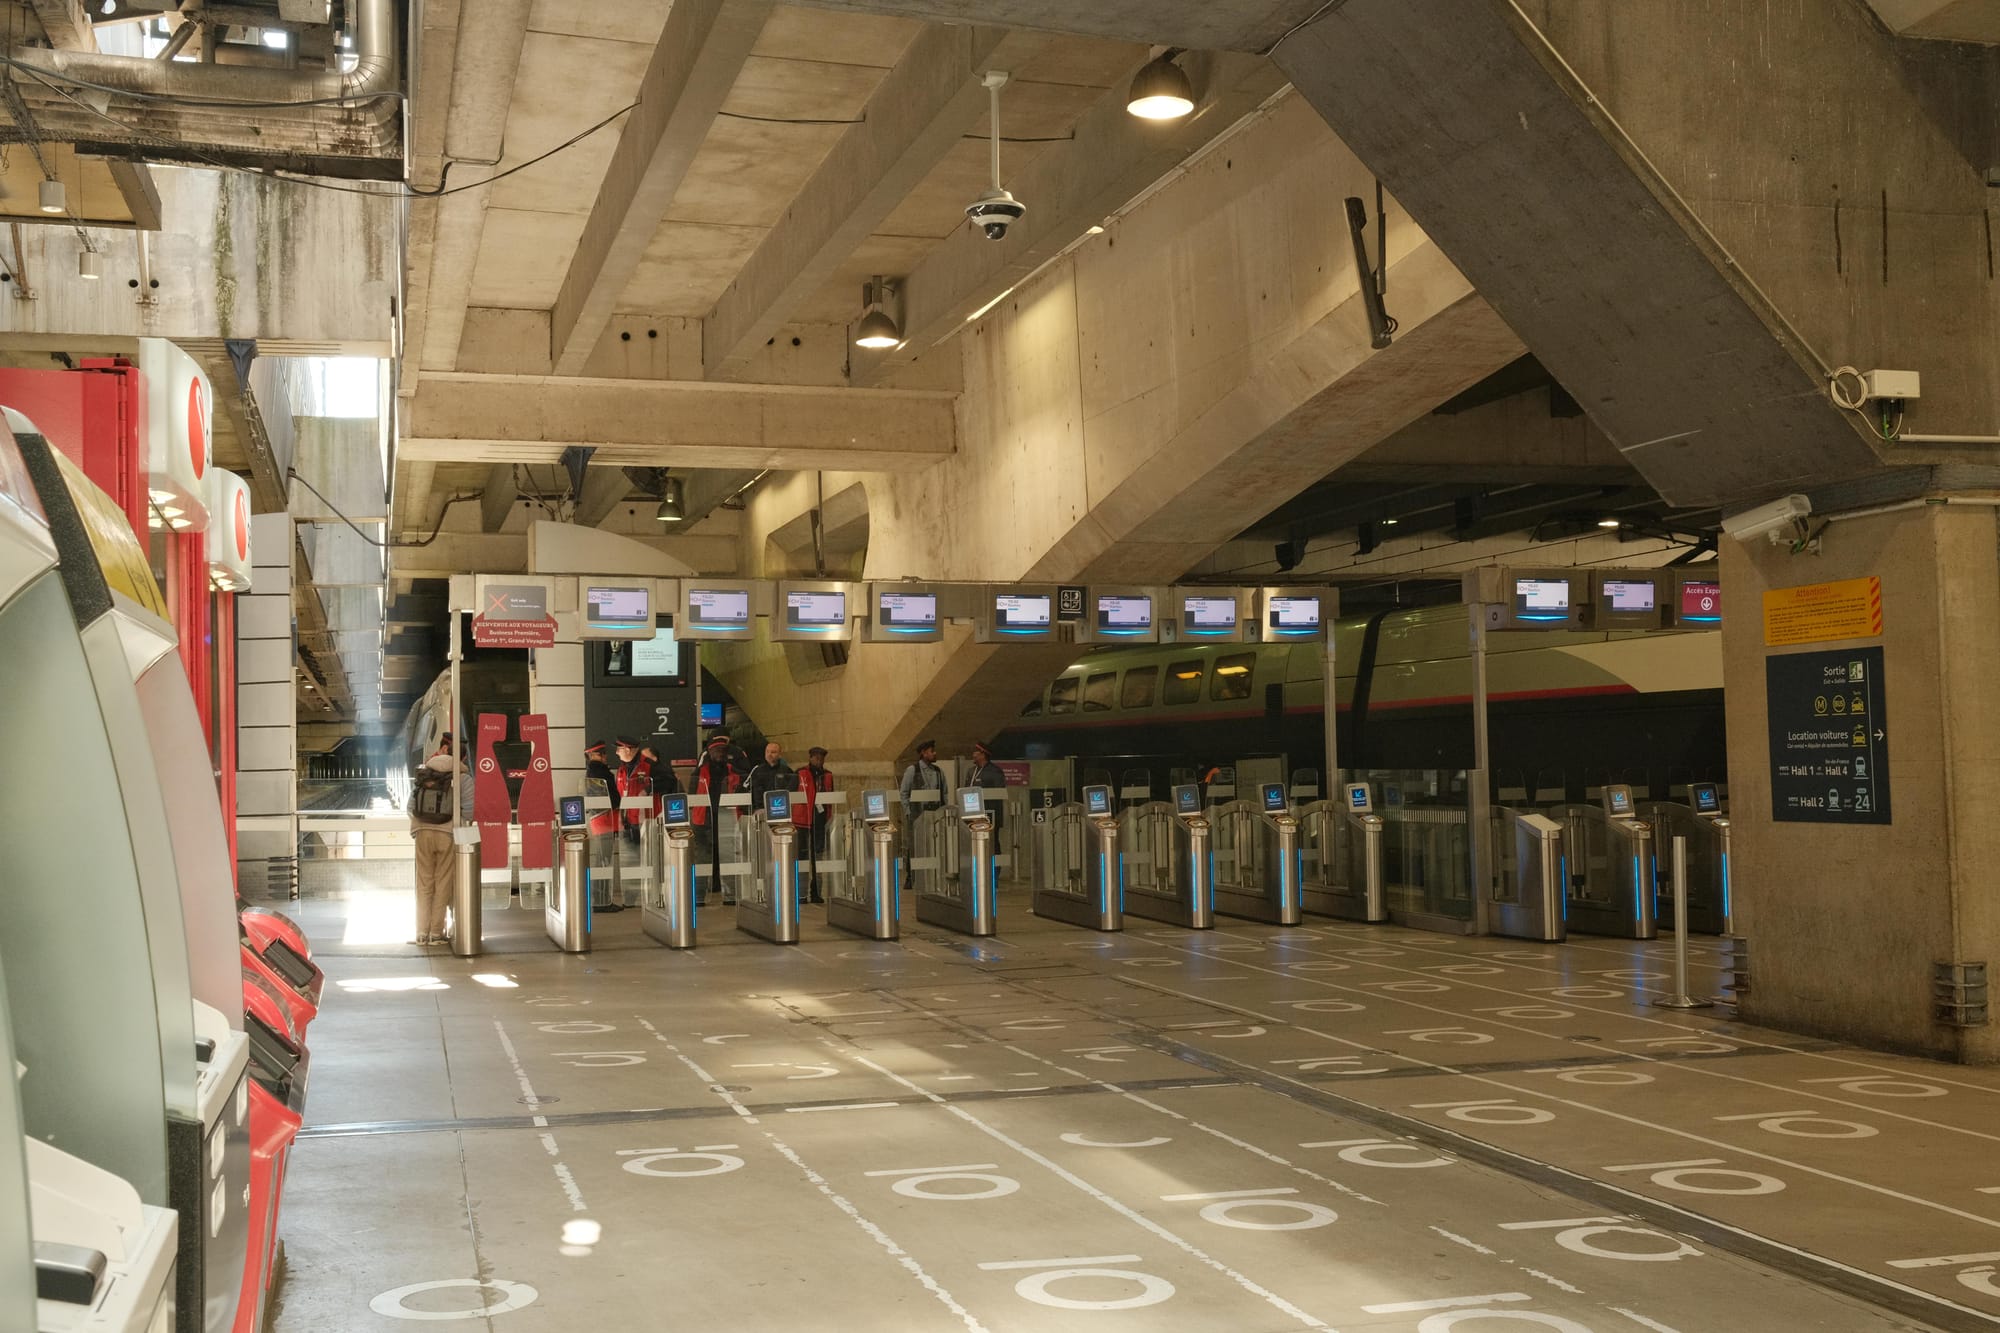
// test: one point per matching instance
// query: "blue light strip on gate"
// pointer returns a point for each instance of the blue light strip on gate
(1126, 633)
(1637, 889)
(1703, 620)
(1525, 616)
(1202, 633)
(1026, 629)
(1295, 633)
(896, 863)
(1725, 887)
(1121, 883)
(1564, 863)
(907, 629)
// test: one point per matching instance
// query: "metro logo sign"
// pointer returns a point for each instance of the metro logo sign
(242, 512)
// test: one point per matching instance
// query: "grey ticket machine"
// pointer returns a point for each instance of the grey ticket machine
(1271, 892)
(668, 914)
(566, 916)
(971, 909)
(1611, 868)
(1101, 904)
(768, 906)
(871, 904)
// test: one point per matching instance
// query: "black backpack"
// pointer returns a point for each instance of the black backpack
(430, 798)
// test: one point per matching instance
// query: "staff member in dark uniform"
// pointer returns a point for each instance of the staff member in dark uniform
(714, 777)
(986, 775)
(634, 778)
(809, 815)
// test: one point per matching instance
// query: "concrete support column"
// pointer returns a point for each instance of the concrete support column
(556, 689)
(266, 715)
(1845, 921)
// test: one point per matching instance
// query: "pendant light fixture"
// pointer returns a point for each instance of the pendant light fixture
(878, 328)
(1161, 90)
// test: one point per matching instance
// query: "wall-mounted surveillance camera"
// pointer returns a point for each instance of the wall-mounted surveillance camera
(995, 211)
(1767, 520)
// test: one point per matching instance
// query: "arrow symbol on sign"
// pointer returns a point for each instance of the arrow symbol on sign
(1881, 734)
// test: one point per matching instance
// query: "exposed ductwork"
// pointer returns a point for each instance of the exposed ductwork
(333, 121)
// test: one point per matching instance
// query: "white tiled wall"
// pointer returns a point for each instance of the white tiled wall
(266, 714)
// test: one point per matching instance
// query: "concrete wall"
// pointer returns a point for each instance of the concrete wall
(1844, 922)
(266, 714)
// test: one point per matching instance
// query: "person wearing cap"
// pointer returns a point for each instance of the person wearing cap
(598, 780)
(714, 777)
(634, 778)
(986, 775)
(923, 775)
(664, 780)
(811, 817)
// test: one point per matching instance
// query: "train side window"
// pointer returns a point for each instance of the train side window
(1183, 682)
(1032, 708)
(1099, 692)
(1232, 676)
(1137, 691)
(1062, 695)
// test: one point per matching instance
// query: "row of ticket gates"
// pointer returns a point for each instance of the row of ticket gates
(152, 1029)
(1598, 868)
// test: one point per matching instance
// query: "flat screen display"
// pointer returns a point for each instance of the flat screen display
(723, 608)
(907, 611)
(1187, 799)
(674, 810)
(711, 715)
(1707, 798)
(1702, 603)
(1014, 612)
(1208, 615)
(570, 812)
(815, 610)
(1294, 615)
(1097, 800)
(657, 656)
(1360, 800)
(778, 806)
(1275, 800)
(1124, 615)
(1630, 595)
(1541, 599)
(1618, 800)
(618, 607)
(972, 801)
(875, 804)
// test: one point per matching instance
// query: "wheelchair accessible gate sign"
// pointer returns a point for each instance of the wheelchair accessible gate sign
(1829, 737)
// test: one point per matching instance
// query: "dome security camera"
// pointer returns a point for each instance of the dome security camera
(995, 211)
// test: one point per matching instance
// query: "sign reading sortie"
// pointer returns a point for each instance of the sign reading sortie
(512, 613)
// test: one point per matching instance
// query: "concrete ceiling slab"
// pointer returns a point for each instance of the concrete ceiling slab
(1941, 20)
(802, 89)
(748, 172)
(523, 256)
(687, 267)
(566, 85)
(794, 33)
(617, 20)
(1083, 61)
(937, 207)
(1206, 25)
(839, 301)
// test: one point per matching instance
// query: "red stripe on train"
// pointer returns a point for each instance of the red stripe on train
(1046, 723)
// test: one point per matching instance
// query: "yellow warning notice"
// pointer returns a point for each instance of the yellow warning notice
(1818, 612)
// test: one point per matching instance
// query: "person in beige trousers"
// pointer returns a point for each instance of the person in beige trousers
(434, 861)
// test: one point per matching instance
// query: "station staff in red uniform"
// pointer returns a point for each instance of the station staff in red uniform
(812, 818)
(634, 779)
(714, 777)
(598, 781)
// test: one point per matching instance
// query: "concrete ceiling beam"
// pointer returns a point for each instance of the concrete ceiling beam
(497, 500)
(1114, 158)
(460, 418)
(695, 65)
(66, 23)
(603, 488)
(1211, 25)
(920, 112)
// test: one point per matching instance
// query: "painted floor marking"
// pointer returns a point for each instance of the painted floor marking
(1130, 1214)
(564, 1178)
(1444, 1303)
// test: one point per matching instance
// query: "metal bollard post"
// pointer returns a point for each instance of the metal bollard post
(1679, 999)
(466, 904)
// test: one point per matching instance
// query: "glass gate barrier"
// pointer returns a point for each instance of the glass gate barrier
(865, 896)
(1256, 863)
(1530, 871)
(1168, 875)
(951, 870)
(1611, 889)
(1707, 865)
(1340, 863)
(1084, 880)
(1427, 868)
(767, 900)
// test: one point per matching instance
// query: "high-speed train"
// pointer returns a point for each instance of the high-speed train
(491, 682)
(1565, 709)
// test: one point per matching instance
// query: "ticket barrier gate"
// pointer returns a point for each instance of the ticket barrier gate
(1611, 888)
(1257, 859)
(868, 899)
(1085, 884)
(767, 905)
(1340, 858)
(1169, 867)
(1532, 872)
(1709, 908)
(667, 908)
(955, 889)
(566, 916)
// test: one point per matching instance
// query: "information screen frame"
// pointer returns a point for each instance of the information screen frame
(991, 626)
(1689, 586)
(1269, 609)
(1706, 798)
(1102, 603)
(787, 627)
(1610, 585)
(1525, 599)
(971, 803)
(709, 715)
(603, 661)
(695, 624)
(591, 625)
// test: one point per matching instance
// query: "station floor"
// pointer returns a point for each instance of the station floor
(1248, 1129)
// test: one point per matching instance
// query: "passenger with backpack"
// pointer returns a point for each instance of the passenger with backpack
(430, 827)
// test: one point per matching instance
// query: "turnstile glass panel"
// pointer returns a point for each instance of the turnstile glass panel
(1708, 898)
(1146, 840)
(1426, 844)
(1059, 852)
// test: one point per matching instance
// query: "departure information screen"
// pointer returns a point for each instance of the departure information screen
(1294, 615)
(972, 801)
(1124, 615)
(1701, 602)
(711, 715)
(1629, 595)
(1541, 599)
(1208, 615)
(1275, 802)
(907, 610)
(1097, 800)
(815, 610)
(657, 656)
(1017, 612)
(720, 606)
(619, 607)
(875, 804)
(1187, 799)
(674, 810)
